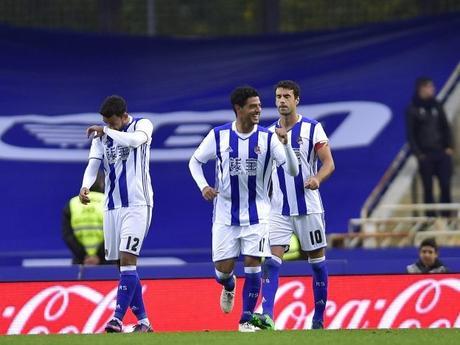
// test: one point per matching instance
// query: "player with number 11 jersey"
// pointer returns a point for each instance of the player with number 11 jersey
(245, 154)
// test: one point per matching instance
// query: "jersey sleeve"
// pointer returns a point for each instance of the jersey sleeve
(319, 137)
(143, 133)
(277, 150)
(97, 150)
(207, 148)
(146, 126)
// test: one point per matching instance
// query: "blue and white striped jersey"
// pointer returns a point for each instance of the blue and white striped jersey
(243, 168)
(290, 198)
(127, 176)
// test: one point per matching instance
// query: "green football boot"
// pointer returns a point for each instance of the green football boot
(263, 321)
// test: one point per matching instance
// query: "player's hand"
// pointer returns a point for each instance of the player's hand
(449, 151)
(84, 196)
(91, 260)
(209, 193)
(311, 183)
(97, 131)
(282, 135)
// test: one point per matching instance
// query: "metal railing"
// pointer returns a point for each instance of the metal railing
(445, 238)
(403, 230)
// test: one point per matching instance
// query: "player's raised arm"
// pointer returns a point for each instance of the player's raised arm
(142, 134)
(90, 175)
(283, 152)
(202, 155)
(323, 151)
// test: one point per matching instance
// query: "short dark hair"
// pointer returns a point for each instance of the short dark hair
(290, 85)
(429, 242)
(240, 95)
(113, 105)
(422, 81)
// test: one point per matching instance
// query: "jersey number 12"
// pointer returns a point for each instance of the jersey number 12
(135, 241)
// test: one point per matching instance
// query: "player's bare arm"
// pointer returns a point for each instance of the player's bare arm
(84, 196)
(209, 193)
(327, 168)
(97, 131)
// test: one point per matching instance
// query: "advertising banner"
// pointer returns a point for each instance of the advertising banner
(397, 301)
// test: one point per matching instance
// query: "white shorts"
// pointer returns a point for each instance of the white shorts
(230, 241)
(310, 230)
(125, 229)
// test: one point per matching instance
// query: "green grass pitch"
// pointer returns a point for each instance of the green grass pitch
(322, 337)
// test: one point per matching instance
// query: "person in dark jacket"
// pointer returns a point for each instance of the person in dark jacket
(428, 259)
(430, 140)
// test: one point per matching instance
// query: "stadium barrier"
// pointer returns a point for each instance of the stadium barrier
(358, 261)
(379, 301)
(402, 231)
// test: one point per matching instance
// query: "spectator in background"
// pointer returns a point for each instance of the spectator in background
(428, 259)
(430, 140)
(82, 227)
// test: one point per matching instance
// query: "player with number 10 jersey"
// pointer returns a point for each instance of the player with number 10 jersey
(296, 204)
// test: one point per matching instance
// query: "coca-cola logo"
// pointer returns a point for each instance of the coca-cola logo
(427, 297)
(60, 305)
(424, 304)
(354, 302)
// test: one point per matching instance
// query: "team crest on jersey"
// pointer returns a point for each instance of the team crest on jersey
(258, 150)
(299, 140)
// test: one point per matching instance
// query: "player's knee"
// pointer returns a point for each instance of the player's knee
(224, 266)
(128, 259)
(252, 261)
(279, 251)
(316, 254)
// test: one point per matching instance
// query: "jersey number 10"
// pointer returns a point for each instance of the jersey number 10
(316, 237)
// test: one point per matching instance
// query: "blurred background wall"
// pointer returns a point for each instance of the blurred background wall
(201, 18)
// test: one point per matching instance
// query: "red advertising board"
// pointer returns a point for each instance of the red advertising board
(396, 301)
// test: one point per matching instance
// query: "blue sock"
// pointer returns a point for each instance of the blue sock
(137, 303)
(251, 290)
(319, 288)
(270, 279)
(226, 279)
(126, 289)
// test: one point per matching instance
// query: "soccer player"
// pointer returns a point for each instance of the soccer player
(296, 204)
(123, 146)
(244, 154)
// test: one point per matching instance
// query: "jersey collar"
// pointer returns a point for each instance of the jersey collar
(278, 123)
(243, 135)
